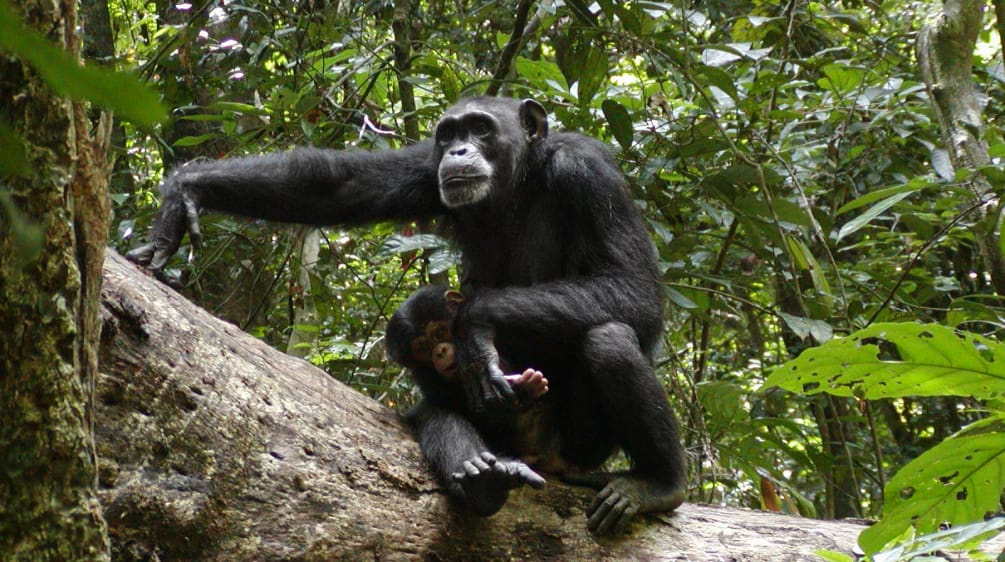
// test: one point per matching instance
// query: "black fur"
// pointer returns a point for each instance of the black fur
(556, 261)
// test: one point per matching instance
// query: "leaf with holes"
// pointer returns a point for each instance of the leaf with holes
(958, 481)
(894, 360)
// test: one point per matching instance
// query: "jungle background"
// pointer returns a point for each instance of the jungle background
(789, 159)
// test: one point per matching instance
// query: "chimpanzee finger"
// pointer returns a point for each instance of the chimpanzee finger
(161, 256)
(531, 478)
(498, 388)
(488, 458)
(469, 470)
(192, 222)
(141, 255)
(615, 513)
(603, 512)
(598, 500)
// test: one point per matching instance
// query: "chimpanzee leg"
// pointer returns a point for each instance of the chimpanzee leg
(463, 463)
(635, 404)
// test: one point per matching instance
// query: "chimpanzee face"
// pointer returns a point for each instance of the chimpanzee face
(481, 144)
(469, 165)
(435, 347)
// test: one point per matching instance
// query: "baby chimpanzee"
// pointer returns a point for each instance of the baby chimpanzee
(420, 336)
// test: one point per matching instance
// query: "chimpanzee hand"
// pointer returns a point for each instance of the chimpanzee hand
(492, 392)
(622, 497)
(178, 215)
(485, 481)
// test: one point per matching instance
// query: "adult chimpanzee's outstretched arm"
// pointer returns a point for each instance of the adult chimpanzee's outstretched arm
(305, 185)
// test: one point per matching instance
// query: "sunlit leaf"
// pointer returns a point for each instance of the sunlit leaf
(942, 165)
(399, 244)
(821, 331)
(896, 360)
(958, 481)
(875, 211)
(679, 299)
(864, 200)
(958, 538)
(841, 79)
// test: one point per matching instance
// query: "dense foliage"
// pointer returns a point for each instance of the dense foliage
(785, 156)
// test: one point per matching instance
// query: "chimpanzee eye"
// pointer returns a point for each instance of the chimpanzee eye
(442, 332)
(480, 128)
(445, 134)
(422, 348)
(438, 331)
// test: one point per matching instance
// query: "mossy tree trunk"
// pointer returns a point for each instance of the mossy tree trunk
(49, 311)
(945, 51)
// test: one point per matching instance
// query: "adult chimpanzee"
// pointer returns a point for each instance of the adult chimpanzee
(556, 261)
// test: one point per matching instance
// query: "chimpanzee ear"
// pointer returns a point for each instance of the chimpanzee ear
(454, 300)
(534, 119)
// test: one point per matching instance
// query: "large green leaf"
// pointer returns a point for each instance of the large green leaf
(962, 537)
(62, 72)
(893, 360)
(876, 210)
(619, 121)
(958, 481)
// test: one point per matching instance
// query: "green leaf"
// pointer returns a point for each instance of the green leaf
(841, 79)
(237, 107)
(719, 78)
(61, 71)
(592, 75)
(865, 218)
(832, 556)
(909, 187)
(399, 244)
(957, 481)
(443, 259)
(821, 331)
(962, 537)
(805, 260)
(543, 75)
(896, 360)
(194, 141)
(619, 121)
(689, 298)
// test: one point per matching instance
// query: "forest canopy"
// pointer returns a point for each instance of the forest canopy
(821, 181)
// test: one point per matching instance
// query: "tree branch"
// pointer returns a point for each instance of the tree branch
(215, 446)
(510, 50)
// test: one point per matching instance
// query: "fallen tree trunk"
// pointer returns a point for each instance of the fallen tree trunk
(214, 446)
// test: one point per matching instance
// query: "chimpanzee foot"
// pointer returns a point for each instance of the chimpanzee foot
(485, 481)
(528, 385)
(622, 497)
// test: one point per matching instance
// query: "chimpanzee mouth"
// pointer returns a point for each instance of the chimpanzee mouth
(461, 190)
(463, 179)
(449, 371)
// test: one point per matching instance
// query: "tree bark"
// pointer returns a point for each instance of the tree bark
(215, 446)
(304, 317)
(945, 51)
(49, 308)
